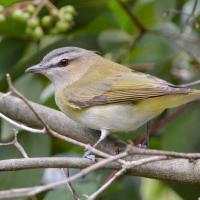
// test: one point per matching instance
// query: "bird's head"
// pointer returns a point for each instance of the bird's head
(63, 65)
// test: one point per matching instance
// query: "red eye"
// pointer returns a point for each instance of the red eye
(64, 62)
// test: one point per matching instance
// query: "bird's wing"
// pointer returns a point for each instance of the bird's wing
(120, 87)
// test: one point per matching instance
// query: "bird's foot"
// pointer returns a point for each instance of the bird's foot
(90, 156)
(142, 146)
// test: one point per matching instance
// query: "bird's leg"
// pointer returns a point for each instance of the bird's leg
(104, 134)
(146, 137)
(145, 143)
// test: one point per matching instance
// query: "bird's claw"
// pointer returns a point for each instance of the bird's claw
(142, 146)
(89, 156)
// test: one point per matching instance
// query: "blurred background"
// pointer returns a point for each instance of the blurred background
(158, 37)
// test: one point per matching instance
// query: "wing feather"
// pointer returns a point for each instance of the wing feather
(120, 87)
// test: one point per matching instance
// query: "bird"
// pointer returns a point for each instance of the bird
(104, 95)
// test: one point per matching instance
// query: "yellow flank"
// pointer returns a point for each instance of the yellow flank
(130, 115)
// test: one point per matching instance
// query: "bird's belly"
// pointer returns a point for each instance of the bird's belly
(115, 117)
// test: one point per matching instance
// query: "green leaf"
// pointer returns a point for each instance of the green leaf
(123, 188)
(151, 49)
(83, 186)
(122, 17)
(145, 13)
(114, 41)
(30, 86)
(11, 51)
(58, 194)
(182, 134)
(162, 6)
(154, 188)
(9, 2)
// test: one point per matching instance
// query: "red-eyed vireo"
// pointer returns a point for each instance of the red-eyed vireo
(107, 96)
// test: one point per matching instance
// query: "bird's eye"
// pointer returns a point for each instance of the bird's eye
(64, 62)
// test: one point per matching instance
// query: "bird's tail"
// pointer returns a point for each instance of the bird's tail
(195, 93)
(180, 99)
(172, 101)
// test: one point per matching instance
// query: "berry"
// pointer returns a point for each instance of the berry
(25, 16)
(54, 12)
(37, 33)
(68, 17)
(33, 22)
(2, 18)
(68, 9)
(16, 14)
(62, 26)
(1, 9)
(19, 15)
(46, 21)
(30, 9)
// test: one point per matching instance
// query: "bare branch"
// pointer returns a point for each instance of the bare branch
(132, 150)
(22, 192)
(19, 146)
(107, 184)
(69, 184)
(187, 22)
(190, 84)
(123, 170)
(16, 144)
(133, 18)
(25, 192)
(183, 170)
(21, 126)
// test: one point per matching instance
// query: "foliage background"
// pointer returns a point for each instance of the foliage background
(104, 26)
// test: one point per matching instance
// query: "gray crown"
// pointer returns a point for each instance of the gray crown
(72, 52)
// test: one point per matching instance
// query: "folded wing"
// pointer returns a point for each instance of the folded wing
(121, 87)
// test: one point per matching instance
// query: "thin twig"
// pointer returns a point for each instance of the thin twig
(16, 144)
(190, 84)
(133, 150)
(133, 18)
(50, 5)
(18, 94)
(19, 146)
(39, 8)
(5, 95)
(177, 12)
(30, 191)
(122, 171)
(107, 184)
(187, 22)
(21, 126)
(69, 184)
(155, 127)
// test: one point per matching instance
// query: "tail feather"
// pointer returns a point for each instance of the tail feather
(196, 93)
(175, 100)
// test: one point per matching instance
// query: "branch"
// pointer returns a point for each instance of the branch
(179, 169)
(122, 171)
(17, 110)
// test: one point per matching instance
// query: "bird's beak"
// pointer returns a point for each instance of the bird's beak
(35, 69)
